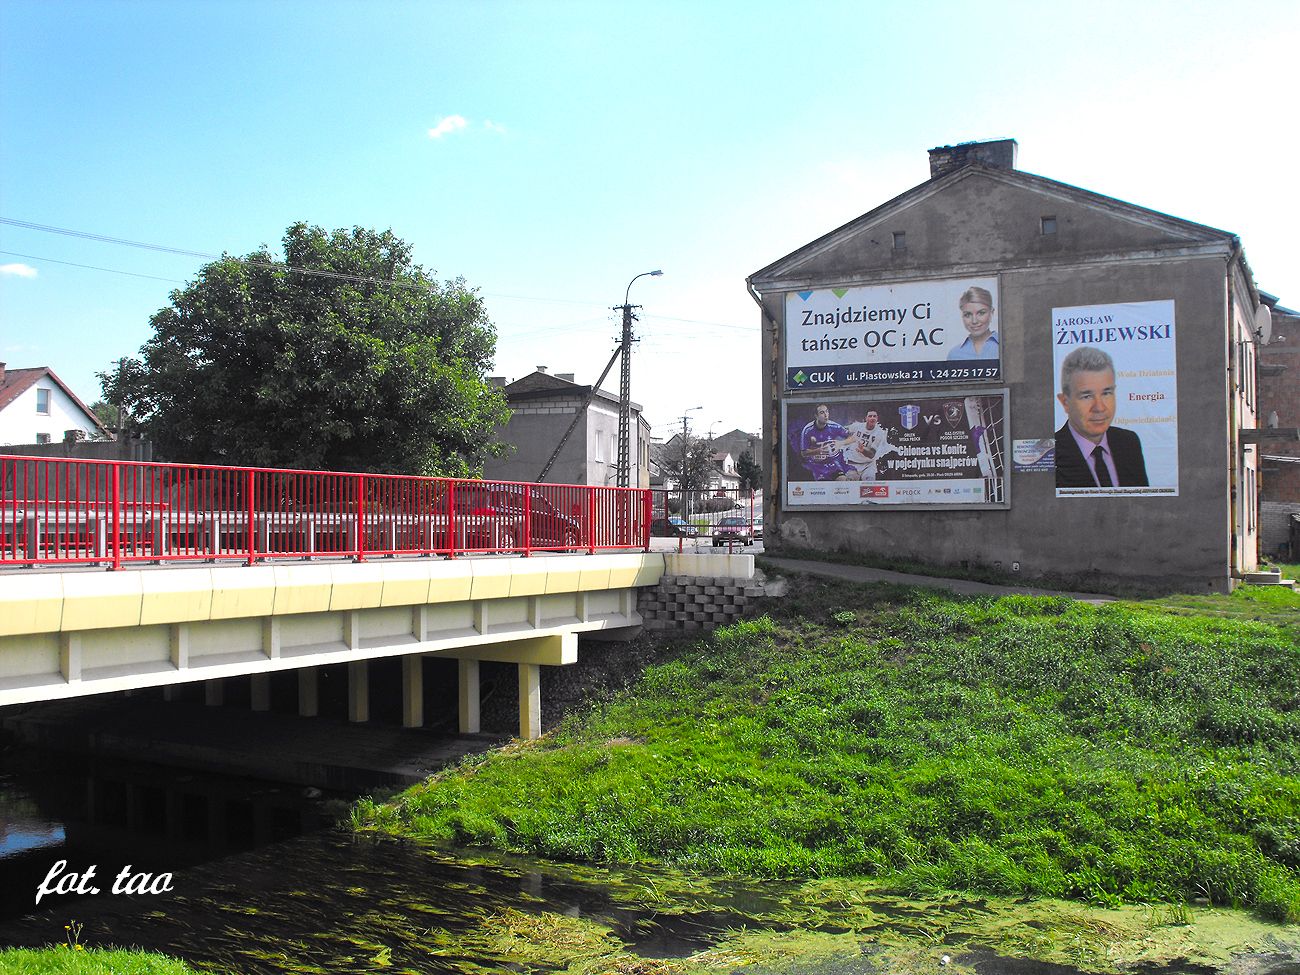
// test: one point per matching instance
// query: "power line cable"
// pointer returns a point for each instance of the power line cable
(93, 267)
(279, 266)
(251, 262)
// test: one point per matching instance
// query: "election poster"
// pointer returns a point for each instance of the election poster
(1116, 400)
(915, 450)
(917, 332)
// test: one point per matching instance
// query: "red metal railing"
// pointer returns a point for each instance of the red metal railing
(730, 517)
(66, 511)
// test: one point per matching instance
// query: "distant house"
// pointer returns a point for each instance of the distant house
(542, 407)
(723, 476)
(738, 443)
(37, 407)
(666, 457)
(1279, 398)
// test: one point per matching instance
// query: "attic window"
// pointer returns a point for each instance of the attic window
(42, 401)
(900, 240)
(1047, 225)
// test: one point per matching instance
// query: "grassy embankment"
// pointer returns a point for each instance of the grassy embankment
(95, 961)
(1012, 746)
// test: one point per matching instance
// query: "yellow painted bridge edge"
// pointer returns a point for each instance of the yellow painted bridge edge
(51, 602)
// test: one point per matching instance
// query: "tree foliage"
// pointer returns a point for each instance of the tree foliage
(364, 363)
(750, 471)
(686, 462)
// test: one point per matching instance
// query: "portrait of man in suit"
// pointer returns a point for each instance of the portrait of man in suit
(1090, 452)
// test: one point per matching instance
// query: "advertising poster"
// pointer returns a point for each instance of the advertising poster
(916, 332)
(916, 450)
(1037, 456)
(1116, 400)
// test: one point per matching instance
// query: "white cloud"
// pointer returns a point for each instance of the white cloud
(451, 123)
(494, 126)
(18, 270)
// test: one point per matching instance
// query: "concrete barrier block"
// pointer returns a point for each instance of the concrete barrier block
(529, 577)
(490, 578)
(176, 596)
(450, 580)
(31, 603)
(304, 588)
(357, 585)
(405, 583)
(100, 600)
(239, 591)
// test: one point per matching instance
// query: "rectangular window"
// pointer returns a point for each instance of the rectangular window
(1047, 225)
(900, 240)
(42, 438)
(42, 401)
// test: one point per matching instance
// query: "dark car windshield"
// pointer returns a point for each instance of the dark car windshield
(730, 522)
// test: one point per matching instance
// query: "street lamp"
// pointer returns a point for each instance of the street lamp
(625, 386)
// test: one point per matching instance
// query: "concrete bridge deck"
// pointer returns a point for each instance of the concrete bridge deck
(74, 633)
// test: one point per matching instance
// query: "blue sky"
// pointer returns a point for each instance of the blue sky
(549, 151)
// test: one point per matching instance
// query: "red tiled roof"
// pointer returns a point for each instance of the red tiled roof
(18, 381)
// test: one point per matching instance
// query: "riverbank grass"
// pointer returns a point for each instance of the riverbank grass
(92, 961)
(1013, 746)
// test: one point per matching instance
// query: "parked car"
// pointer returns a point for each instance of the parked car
(733, 529)
(673, 527)
(491, 516)
(758, 528)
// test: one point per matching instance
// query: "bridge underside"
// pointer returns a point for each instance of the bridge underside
(86, 632)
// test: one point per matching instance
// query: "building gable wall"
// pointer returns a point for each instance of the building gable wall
(986, 225)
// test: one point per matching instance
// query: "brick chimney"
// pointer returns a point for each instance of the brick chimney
(999, 154)
(2, 373)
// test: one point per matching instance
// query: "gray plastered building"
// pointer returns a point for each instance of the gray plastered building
(1049, 246)
(542, 407)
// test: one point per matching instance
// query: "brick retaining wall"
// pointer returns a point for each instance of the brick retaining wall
(695, 602)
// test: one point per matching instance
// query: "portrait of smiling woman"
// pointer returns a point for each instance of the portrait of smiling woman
(976, 306)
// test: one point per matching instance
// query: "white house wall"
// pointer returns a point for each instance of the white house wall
(21, 424)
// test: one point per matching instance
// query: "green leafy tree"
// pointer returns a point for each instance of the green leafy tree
(751, 473)
(345, 356)
(686, 462)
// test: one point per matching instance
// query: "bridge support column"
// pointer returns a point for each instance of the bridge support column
(174, 814)
(308, 692)
(259, 692)
(412, 691)
(214, 693)
(358, 692)
(530, 701)
(469, 699)
(217, 820)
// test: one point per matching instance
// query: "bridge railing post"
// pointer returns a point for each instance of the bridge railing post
(647, 515)
(251, 488)
(528, 522)
(117, 517)
(451, 519)
(361, 517)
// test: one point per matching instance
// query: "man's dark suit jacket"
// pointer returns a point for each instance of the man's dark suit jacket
(1075, 470)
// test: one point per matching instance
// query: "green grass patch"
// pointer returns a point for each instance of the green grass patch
(1014, 746)
(1276, 605)
(90, 961)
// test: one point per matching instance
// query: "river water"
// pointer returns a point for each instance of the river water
(251, 878)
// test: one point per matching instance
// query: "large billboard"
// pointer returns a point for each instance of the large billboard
(907, 450)
(1116, 384)
(917, 332)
